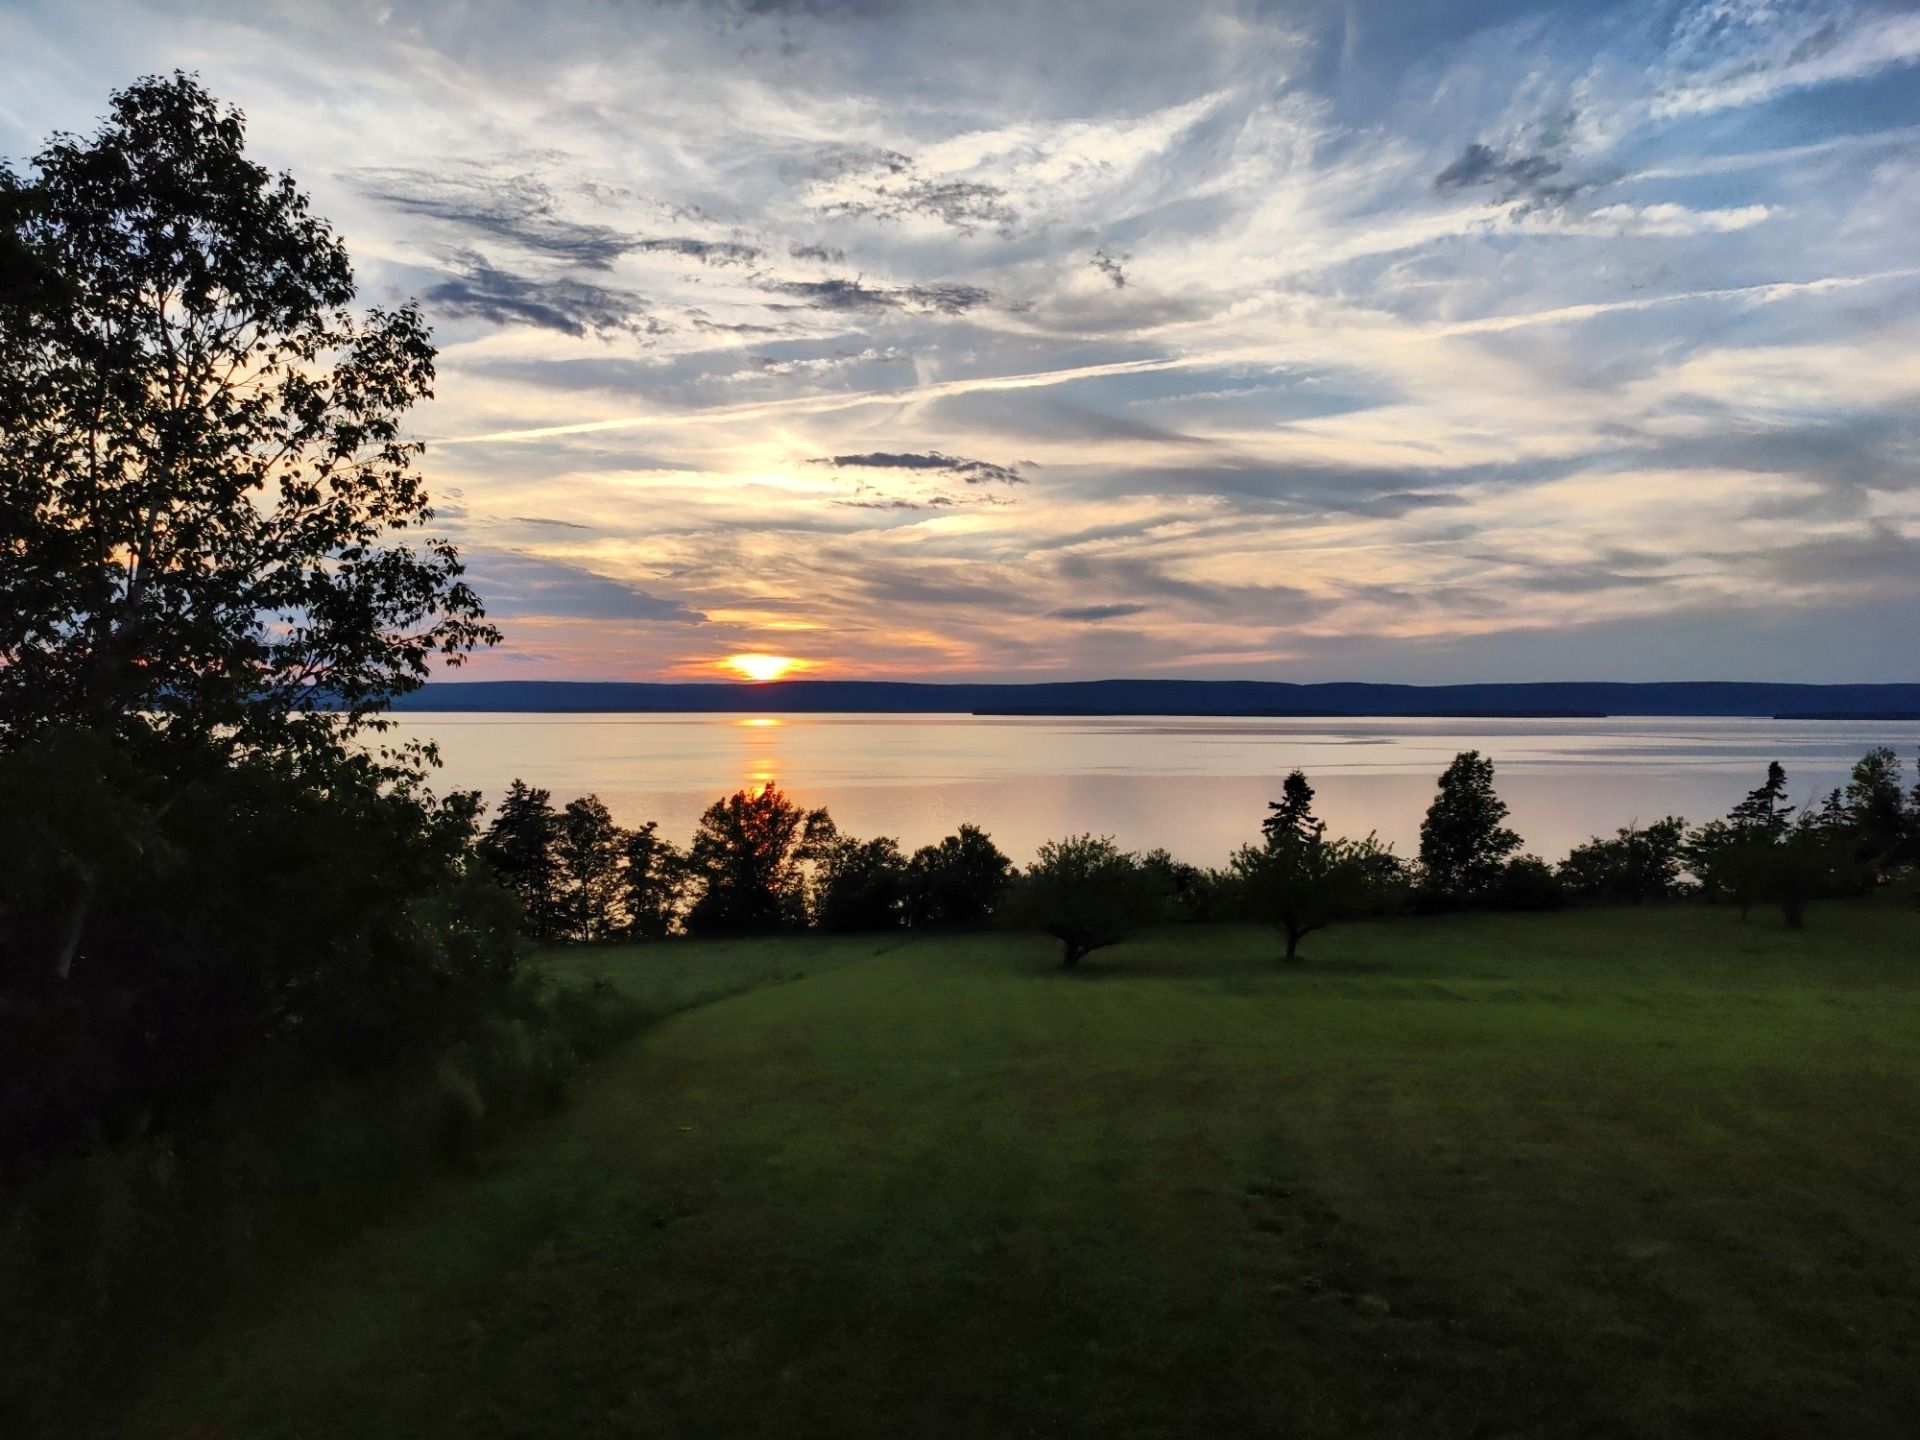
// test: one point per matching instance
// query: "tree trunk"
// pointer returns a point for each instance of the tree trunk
(74, 927)
(1293, 943)
(1070, 955)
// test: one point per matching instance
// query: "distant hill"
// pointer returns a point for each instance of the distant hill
(1175, 697)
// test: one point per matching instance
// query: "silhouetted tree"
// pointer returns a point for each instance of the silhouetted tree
(204, 468)
(1304, 881)
(1086, 893)
(591, 851)
(1636, 865)
(860, 885)
(1463, 844)
(201, 465)
(960, 881)
(1188, 892)
(521, 844)
(654, 883)
(1528, 883)
(1762, 812)
(1876, 811)
(747, 863)
(1804, 865)
(1293, 811)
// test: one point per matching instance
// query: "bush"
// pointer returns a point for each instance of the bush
(1529, 883)
(1636, 866)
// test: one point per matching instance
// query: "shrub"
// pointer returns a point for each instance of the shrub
(1529, 883)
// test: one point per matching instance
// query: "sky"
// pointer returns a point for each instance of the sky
(1450, 342)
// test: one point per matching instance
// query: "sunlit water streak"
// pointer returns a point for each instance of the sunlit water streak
(1197, 786)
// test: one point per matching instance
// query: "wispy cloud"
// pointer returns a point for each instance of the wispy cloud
(1442, 341)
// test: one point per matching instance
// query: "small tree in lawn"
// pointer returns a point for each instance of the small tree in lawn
(1302, 881)
(1087, 893)
(1463, 843)
(520, 844)
(591, 850)
(654, 883)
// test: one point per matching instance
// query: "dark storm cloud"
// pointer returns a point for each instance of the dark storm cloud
(1530, 171)
(483, 291)
(839, 294)
(1111, 267)
(516, 583)
(973, 472)
(836, 161)
(1133, 575)
(514, 207)
(707, 252)
(1879, 557)
(1097, 612)
(966, 205)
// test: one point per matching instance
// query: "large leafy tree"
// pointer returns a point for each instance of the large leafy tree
(960, 881)
(208, 506)
(522, 844)
(748, 861)
(592, 853)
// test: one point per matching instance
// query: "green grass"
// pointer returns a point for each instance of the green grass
(1601, 1173)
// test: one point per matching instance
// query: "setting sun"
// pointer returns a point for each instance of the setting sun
(761, 667)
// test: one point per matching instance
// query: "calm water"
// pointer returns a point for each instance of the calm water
(1197, 786)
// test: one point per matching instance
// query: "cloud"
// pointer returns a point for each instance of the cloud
(482, 291)
(517, 208)
(842, 294)
(1097, 612)
(708, 252)
(1110, 266)
(1739, 52)
(516, 583)
(1514, 175)
(972, 472)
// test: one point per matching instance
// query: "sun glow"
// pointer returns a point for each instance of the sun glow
(761, 667)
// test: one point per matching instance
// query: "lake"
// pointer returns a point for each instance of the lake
(1197, 786)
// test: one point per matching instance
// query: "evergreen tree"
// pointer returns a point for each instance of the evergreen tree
(521, 846)
(1874, 809)
(1292, 814)
(1463, 844)
(1762, 814)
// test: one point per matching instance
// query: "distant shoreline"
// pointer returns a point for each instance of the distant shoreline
(1248, 699)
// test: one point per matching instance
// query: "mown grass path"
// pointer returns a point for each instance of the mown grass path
(1603, 1173)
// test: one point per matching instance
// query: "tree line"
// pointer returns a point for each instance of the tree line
(758, 863)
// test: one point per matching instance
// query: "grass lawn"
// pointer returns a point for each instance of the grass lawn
(1631, 1172)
